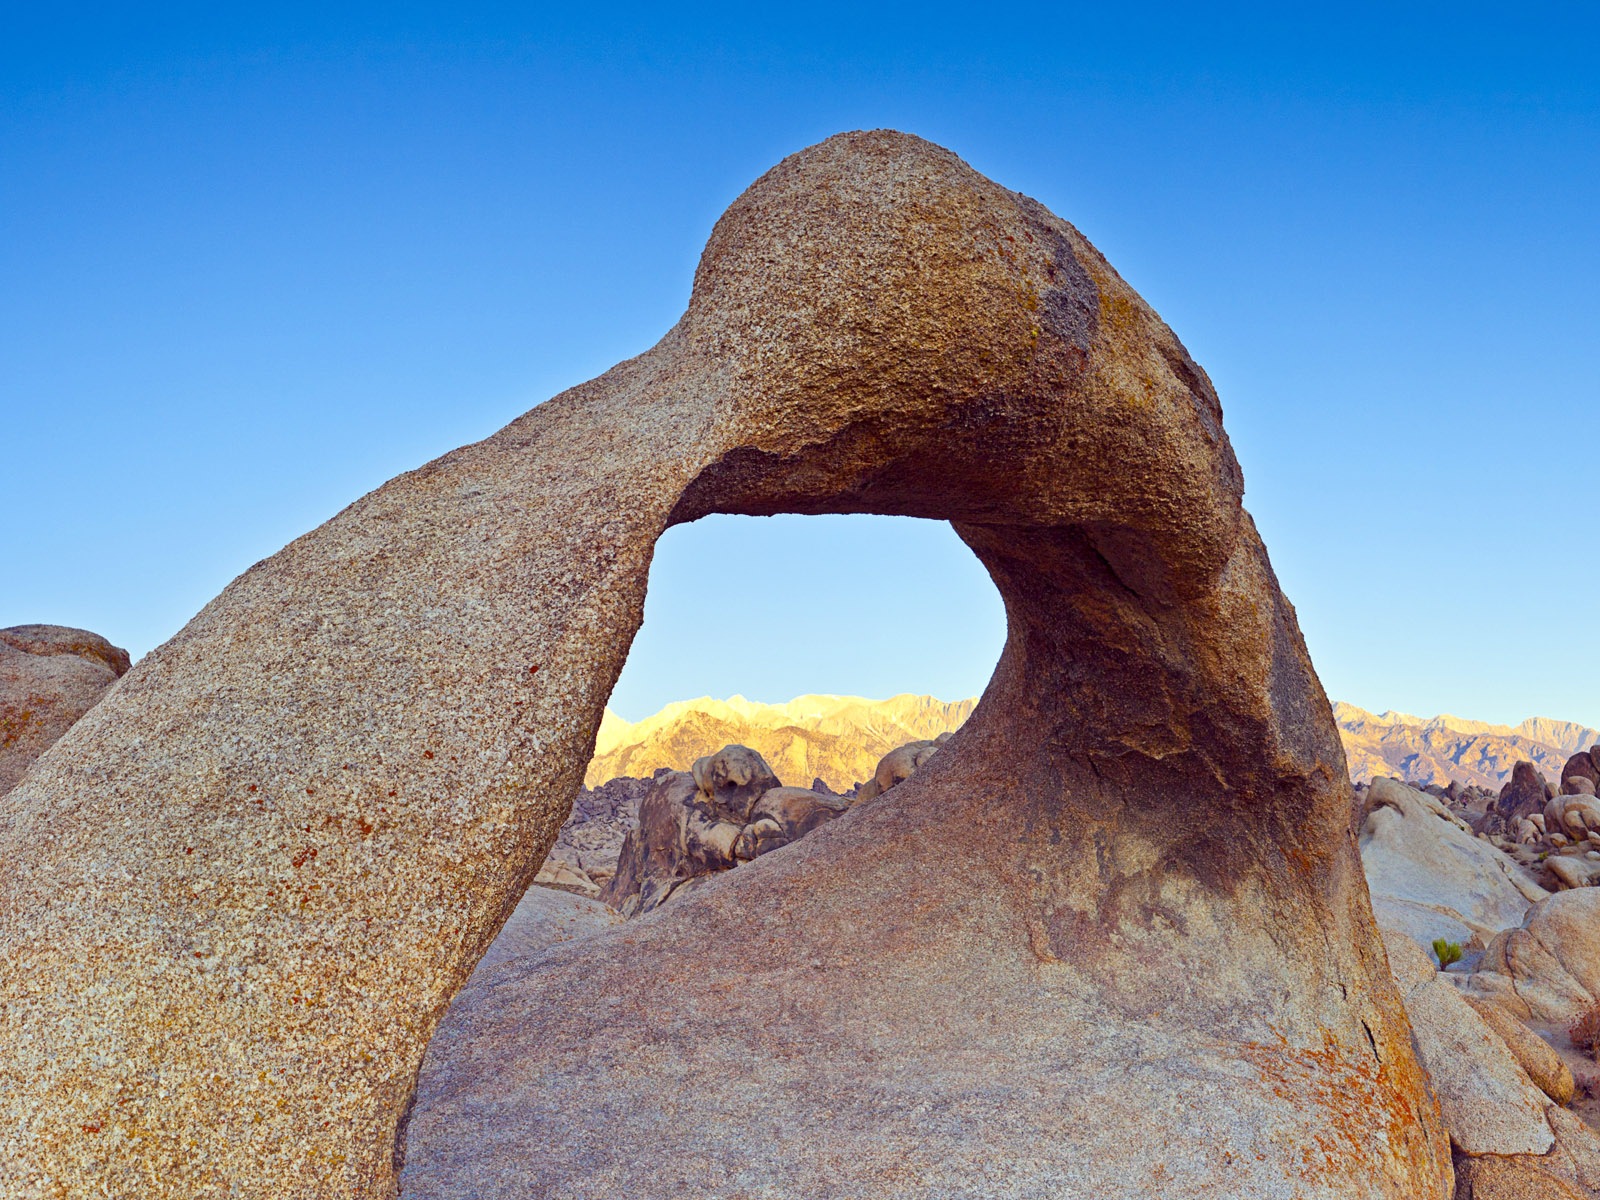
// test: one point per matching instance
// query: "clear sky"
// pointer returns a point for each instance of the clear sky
(253, 265)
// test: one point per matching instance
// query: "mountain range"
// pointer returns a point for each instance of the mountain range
(839, 739)
(1424, 750)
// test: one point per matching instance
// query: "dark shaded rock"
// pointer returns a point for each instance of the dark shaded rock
(1524, 794)
(658, 854)
(784, 815)
(694, 826)
(1580, 766)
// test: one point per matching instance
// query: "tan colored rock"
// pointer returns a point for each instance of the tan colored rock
(1533, 1054)
(1430, 877)
(784, 815)
(1578, 770)
(1501, 1179)
(1547, 969)
(1573, 870)
(566, 876)
(1576, 1157)
(694, 826)
(50, 676)
(732, 780)
(896, 767)
(1112, 941)
(1490, 1105)
(543, 921)
(1576, 814)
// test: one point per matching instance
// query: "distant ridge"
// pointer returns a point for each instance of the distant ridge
(1426, 750)
(838, 739)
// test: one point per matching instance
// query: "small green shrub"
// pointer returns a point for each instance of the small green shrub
(1446, 952)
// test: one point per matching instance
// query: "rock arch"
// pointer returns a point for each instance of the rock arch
(241, 891)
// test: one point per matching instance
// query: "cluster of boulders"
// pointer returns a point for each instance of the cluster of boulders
(584, 858)
(1491, 1027)
(1552, 831)
(728, 809)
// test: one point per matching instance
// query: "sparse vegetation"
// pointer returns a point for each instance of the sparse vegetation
(1446, 952)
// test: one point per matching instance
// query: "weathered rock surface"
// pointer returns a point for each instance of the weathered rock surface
(584, 858)
(544, 918)
(50, 676)
(1112, 941)
(1548, 968)
(731, 809)
(1488, 1078)
(1533, 1054)
(784, 815)
(664, 851)
(897, 766)
(1584, 766)
(1502, 1179)
(1430, 877)
(1524, 794)
(1490, 1105)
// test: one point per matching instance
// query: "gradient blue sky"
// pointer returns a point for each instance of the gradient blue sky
(255, 264)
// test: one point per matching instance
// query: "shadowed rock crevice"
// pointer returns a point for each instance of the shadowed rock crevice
(1112, 940)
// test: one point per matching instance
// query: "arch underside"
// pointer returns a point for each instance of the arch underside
(1114, 941)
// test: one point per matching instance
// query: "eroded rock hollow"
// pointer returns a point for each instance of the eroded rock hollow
(1112, 941)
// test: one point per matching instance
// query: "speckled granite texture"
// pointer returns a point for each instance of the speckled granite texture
(1115, 941)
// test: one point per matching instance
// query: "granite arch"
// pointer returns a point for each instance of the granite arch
(244, 888)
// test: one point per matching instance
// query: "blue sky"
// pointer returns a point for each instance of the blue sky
(256, 264)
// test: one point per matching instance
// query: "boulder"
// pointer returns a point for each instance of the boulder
(667, 847)
(731, 781)
(1547, 969)
(1579, 770)
(1533, 1054)
(1490, 1105)
(896, 767)
(1523, 795)
(1573, 814)
(1572, 868)
(567, 876)
(1514, 1179)
(785, 814)
(1112, 940)
(50, 676)
(1430, 877)
(695, 825)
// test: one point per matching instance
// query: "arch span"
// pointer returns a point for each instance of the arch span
(1120, 921)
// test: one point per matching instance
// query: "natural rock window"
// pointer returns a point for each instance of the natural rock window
(1112, 941)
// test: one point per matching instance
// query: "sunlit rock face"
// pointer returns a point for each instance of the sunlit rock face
(50, 675)
(1112, 940)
